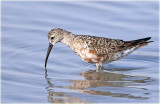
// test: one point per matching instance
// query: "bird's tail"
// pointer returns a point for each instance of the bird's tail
(141, 42)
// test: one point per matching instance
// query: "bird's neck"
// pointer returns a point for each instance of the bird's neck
(68, 39)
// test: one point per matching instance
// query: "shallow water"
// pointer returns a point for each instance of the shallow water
(25, 26)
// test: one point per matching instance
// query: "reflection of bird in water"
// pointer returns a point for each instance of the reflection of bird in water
(97, 50)
(107, 79)
(94, 79)
(97, 80)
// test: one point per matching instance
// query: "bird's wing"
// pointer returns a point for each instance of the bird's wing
(100, 45)
(105, 46)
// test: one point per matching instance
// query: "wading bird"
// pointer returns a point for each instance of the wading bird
(92, 49)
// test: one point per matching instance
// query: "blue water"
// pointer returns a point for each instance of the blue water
(68, 79)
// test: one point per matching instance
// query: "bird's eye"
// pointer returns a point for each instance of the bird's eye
(52, 37)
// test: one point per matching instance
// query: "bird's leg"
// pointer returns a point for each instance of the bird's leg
(99, 67)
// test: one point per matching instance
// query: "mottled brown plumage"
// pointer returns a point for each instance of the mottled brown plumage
(94, 49)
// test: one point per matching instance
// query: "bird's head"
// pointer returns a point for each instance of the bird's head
(54, 36)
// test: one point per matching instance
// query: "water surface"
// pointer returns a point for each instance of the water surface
(25, 26)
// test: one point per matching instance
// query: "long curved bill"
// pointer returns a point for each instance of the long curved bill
(48, 52)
